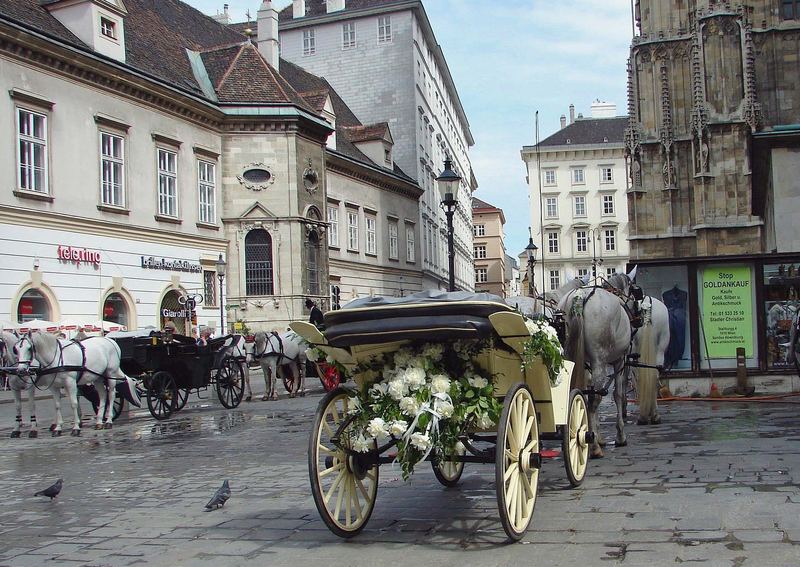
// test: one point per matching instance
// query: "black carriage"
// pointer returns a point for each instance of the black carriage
(170, 366)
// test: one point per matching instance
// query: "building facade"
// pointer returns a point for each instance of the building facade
(489, 248)
(577, 188)
(714, 104)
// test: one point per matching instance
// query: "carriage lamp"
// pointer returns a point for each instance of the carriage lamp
(531, 250)
(449, 183)
(221, 266)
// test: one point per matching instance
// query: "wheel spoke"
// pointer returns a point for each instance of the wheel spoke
(331, 470)
(526, 484)
(335, 485)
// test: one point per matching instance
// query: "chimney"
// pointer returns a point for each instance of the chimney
(602, 109)
(224, 17)
(298, 8)
(268, 33)
(563, 121)
(334, 5)
(571, 113)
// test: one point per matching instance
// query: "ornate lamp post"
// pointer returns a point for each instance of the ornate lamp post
(531, 250)
(221, 266)
(449, 183)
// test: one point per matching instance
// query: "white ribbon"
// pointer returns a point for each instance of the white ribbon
(433, 425)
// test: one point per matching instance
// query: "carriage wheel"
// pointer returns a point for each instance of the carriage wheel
(287, 375)
(448, 473)
(328, 375)
(573, 444)
(161, 394)
(119, 404)
(343, 486)
(230, 383)
(518, 461)
(181, 399)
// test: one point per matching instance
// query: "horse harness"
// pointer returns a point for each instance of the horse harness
(277, 353)
(49, 369)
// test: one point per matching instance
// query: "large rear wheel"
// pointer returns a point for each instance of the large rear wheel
(448, 473)
(574, 443)
(517, 461)
(343, 483)
(230, 383)
(161, 394)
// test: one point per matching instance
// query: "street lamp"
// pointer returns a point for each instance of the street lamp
(594, 235)
(531, 250)
(221, 266)
(449, 183)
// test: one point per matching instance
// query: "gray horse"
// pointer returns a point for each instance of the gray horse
(18, 385)
(287, 352)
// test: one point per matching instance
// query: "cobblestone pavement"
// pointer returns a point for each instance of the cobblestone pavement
(716, 483)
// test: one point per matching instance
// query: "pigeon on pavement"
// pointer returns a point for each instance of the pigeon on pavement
(51, 491)
(220, 497)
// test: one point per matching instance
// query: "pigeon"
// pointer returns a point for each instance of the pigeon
(220, 497)
(51, 491)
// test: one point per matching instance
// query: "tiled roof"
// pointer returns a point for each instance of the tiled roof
(479, 204)
(31, 14)
(318, 7)
(586, 131)
(368, 133)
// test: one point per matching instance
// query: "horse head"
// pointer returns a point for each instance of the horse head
(25, 351)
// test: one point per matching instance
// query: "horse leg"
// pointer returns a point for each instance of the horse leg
(619, 399)
(59, 421)
(247, 387)
(111, 395)
(16, 432)
(301, 366)
(595, 449)
(34, 431)
(72, 391)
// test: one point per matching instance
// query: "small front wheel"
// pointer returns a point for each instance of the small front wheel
(119, 405)
(161, 394)
(328, 375)
(574, 445)
(230, 383)
(448, 473)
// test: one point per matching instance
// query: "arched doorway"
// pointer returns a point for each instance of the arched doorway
(33, 305)
(172, 310)
(115, 309)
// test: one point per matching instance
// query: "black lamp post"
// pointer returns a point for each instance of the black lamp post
(531, 250)
(221, 266)
(449, 183)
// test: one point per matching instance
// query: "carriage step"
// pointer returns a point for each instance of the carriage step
(550, 453)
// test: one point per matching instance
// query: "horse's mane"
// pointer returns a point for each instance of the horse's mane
(556, 295)
(619, 281)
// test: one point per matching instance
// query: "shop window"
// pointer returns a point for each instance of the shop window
(173, 310)
(33, 305)
(258, 263)
(781, 303)
(115, 309)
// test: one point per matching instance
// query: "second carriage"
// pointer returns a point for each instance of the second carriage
(170, 366)
(535, 408)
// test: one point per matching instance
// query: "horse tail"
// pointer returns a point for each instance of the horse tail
(574, 349)
(647, 378)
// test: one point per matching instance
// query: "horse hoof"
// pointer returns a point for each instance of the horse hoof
(264, 398)
(249, 399)
(98, 426)
(32, 435)
(303, 394)
(597, 453)
(642, 420)
(107, 426)
(656, 420)
(75, 433)
(292, 395)
(56, 433)
(601, 442)
(52, 427)
(621, 443)
(16, 434)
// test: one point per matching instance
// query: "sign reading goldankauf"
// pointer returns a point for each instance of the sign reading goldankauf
(153, 263)
(728, 310)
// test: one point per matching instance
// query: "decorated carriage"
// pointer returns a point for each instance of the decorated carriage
(450, 378)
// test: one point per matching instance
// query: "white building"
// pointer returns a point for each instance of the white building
(383, 59)
(577, 186)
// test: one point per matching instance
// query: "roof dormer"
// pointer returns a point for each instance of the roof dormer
(375, 141)
(97, 23)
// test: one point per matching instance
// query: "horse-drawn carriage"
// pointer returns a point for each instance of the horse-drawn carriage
(170, 366)
(446, 378)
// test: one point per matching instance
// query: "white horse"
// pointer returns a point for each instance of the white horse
(598, 336)
(18, 385)
(286, 351)
(67, 364)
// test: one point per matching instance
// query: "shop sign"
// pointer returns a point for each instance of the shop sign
(176, 313)
(153, 263)
(79, 255)
(727, 311)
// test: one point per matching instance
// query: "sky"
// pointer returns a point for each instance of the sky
(509, 59)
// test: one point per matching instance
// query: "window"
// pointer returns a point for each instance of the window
(371, 245)
(333, 231)
(112, 170)
(410, 243)
(549, 176)
(309, 42)
(552, 242)
(610, 272)
(479, 230)
(167, 183)
(115, 309)
(481, 275)
(581, 241)
(32, 151)
(33, 305)
(608, 204)
(210, 288)
(582, 273)
(384, 29)
(480, 252)
(108, 28)
(606, 174)
(580, 206)
(611, 240)
(258, 262)
(790, 10)
(206, 183)
(577, 177)
(555, 279)
(348, 35)
(394, 253)
(312, 262)
(551, 207)
(352, 230)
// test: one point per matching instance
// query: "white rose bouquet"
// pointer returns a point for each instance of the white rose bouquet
(543, 343)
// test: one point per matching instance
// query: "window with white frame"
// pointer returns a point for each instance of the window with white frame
(352, 230)
(608, 204)
(371, 246)
(606, 174)
(112, 169)
(581, 241)
(549, 176)
(206, 189)
(333, 221)
(582, 273)
(611, 239)
(108, 28)
(410, 243)
(394, 252)
(610, 272)
(348, 35)
(580, 205)
(552, 242)
(577, 176)
(481, 275)
(480, 252)
(309, 42)
(479, 230)
(167, 183)
(555, 279)
(551, 207)
(384, 29)
(31, 151)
